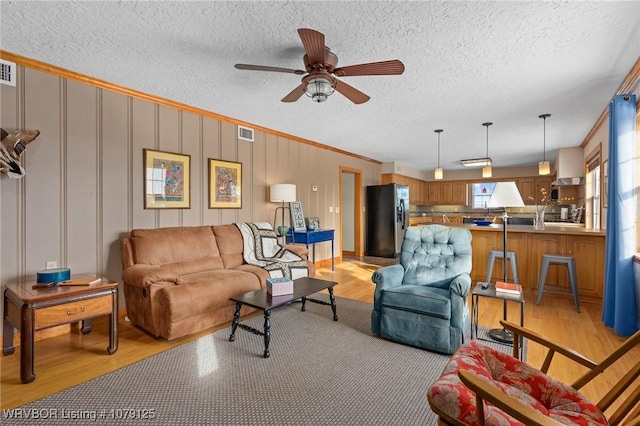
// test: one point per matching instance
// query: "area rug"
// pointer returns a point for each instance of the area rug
(320, 372)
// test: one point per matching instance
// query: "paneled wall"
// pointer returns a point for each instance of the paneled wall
(83, 188)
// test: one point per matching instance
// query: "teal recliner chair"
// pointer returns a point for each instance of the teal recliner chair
(423, 300)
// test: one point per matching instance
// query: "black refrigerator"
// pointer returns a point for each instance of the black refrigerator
(387, 218)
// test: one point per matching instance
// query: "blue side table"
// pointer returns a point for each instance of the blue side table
(312, 237)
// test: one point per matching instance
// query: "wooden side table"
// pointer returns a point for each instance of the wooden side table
(30, 309)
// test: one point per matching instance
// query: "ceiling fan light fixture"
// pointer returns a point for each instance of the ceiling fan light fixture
(544, 168)
(319, 89)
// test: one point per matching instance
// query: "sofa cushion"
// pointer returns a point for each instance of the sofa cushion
(185, 250)
(420, 299)
(205, 292)
(230, 245)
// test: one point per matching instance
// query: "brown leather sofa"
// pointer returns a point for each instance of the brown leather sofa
(178, 281)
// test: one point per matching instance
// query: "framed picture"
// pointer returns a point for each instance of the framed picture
(297, 216)
(225, 184)
(605, 183)
(167, 183)
(313, 223)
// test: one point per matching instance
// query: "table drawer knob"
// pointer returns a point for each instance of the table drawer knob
(71, 312)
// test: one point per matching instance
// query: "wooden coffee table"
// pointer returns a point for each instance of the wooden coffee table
(30, 309)
(259, 299)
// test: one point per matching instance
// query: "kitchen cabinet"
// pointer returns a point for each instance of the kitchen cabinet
(433, 198)
(459, 193)
(530, 188)
(483, 242)
(526, 187)
(417, 187)
(586, 246)
(543, 183)
(589, 254)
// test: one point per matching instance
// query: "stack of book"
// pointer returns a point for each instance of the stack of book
(508, 288)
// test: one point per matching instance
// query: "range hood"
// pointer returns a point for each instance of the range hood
(569, 167)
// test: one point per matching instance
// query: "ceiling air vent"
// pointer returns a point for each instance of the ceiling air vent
(7, 72)
(245, 133)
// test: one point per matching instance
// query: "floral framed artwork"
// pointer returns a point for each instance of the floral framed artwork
(297, 216)
(167, 180)
(225, 184)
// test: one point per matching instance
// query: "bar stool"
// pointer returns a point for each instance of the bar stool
(498, 254)
(570, 263)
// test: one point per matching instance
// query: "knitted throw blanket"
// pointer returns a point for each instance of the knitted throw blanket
(261, 248)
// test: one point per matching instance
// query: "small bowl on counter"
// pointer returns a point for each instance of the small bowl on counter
(483, 222)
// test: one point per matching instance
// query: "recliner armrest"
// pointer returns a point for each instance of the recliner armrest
(386, 277)
(461, 285)
(145, 275)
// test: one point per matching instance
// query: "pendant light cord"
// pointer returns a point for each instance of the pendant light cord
(544, 135)
(438, 131)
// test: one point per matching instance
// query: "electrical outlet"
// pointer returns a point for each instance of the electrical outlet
(314, 188)
(52, 264)
(330, 209)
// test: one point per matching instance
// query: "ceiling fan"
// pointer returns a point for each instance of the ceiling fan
(320, 80)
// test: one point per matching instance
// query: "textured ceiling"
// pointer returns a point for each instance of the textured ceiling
(467, 62)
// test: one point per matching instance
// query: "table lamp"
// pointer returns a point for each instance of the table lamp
(505, 194)
(282, 193)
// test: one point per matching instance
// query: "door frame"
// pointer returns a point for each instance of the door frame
(357, 210)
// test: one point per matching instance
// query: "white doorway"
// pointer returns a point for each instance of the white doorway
(351, 211)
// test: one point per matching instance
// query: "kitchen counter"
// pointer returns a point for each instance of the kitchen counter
(529, 244)
(556, 228)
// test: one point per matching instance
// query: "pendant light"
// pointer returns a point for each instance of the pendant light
(438, 174)
(487, 170)
(544, 167)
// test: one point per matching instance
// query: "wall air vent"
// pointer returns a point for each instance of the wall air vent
(7, 72)
(245, 133)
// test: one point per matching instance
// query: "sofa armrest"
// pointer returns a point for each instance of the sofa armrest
(145, 275)
(298, 249)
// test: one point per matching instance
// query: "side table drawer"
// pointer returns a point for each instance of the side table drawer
(72, 311)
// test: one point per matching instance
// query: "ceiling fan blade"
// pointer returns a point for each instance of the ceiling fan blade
(295, 94)
(313, 43)
(393, 67)
(265, 68)
(351, 93)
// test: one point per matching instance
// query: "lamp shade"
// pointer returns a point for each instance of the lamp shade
(283, 192)
(438, 174)
(544, 168)
(487, 171)
(505, 194)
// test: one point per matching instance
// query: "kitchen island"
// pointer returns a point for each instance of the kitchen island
(529, 244)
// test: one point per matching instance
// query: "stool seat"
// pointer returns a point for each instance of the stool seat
(559, 259)
(498, 254)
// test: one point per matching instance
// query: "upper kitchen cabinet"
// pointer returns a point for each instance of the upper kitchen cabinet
(530, 188)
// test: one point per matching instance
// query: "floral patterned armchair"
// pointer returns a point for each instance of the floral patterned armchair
(481, 385)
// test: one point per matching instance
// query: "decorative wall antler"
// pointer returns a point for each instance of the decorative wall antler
(11, 149)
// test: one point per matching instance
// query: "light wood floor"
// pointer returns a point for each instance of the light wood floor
(70, 359)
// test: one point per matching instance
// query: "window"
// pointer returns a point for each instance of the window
(593, 191)
(480, 194)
